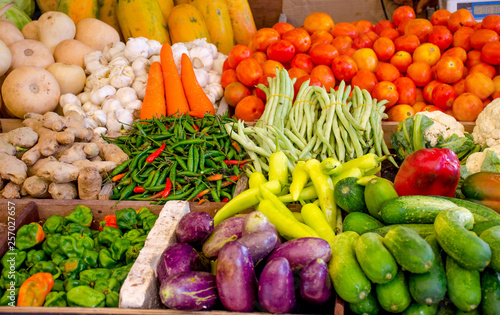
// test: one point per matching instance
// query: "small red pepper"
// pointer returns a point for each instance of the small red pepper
(155, 154)
(225, 199)
(139, 190)
(214, 177)
(167, 189)
(236, 146)
(236, 162)
(231, 181)
(196, 128)
(118, 177)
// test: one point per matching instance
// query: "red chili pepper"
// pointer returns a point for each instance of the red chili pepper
(236, 146)
(196, 128)
(167, 189)
(139, 190)
(225, 199)
(155, 154)
(214, 177)
(236, 162)
(118, 177)
(231, 181)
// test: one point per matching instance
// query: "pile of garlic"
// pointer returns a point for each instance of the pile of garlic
(117, 78)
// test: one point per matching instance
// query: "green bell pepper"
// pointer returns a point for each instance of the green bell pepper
(73, 283)
(72, 228)
(51, 243)
(149, 222)
(72, 267)
(112, 299)
(56, 299)
(91, 258)
(132, 234)
(13, 257)
(29, 235)
(142, 214)
(105, 259)
(107, 285)
(35, 256)
(58, 285)
(139, 241)
(46, 266)
(121, 273)
(58, 256)
(15, 278)
(9, 298)
(85, 296)
(91, 276)
(54, 224)
(81, 215)
(70, 248)
(95, 233)
(132, 254)
(119, 248)
(108, 235)
(82, 240)
(126, 219)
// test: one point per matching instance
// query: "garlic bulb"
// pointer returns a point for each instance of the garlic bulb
(112, 123)
(99, 95)
(201, 77)
(90, 123)
(133, 105)
(201, 58)
(154, 47)
(139, 86)
(89, 106)
(140, 66)
(112, 49)
(213, 77)
(93, 61)
(119, 61)
(154, 58)
(125, 117)
(73, 108)
(121, 77)
(84, 97)
(111, 104)
(214, 92)
(100, 131)
(126, 95)
(69, 98)
(98, 116)
(218, 65)
(177, 50)
(136, 47)
(213, 49)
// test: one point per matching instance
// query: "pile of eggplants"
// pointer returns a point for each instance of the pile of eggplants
(242, 265)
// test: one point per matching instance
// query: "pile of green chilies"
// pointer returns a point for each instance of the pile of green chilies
(178, 158)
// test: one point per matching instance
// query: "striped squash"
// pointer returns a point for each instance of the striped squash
(242, 21)
(78, 10)
(107, 14)
(47, 5)
(142, 18)
(186, 23)
(218, 23)
(177, 2)
(166, 7)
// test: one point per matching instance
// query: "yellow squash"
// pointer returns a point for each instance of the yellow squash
(242, 21)
(142, 18)
(78, 10)
(218, 23)
(177, 2)
(186, 23)
(47, 5)
(166, 7)
(107, 14)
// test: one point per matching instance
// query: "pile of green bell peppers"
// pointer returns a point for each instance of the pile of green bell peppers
(88, 266)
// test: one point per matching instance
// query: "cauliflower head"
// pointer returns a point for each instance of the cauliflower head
(444, 125)
(475, 160)
(487, 129)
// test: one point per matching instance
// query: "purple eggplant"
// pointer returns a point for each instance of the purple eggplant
(235, 277)
(276, 288)
(180, 257)
(194, 228)
(315, 283)
(260, 244)
(299, 252)
(189, 291)
(227, 231)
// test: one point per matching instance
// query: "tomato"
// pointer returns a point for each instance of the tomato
(296, 73)
(487, 101)
(461, 38)
(400, 112)
(372, 35)
(362, 41)
(299, 38)
(249, 72)
(384, 48)
(249, 108)
(467, 107)
(418, 106)
(344, 68)
(419, 27)
(342, 43)
(237, 54)
(496, 83)
(363, 26)
(345, 29)
(440, 17)
(402, 26)
(383, 25)
(259, 56)
(365, 79)
(302, 61)
(441, 37)
(459, 87)
(385, 90)
(325, 75)
(282, 51)
(321, 37)
(349, 52)
(269, 67)
(323, 54)
(387, 72)
(458, 52)
(443, 96)
(407, 43)
(480, 85)
(263, 80)
(228, 77)
(407, 90)
(428, 89)
(235, 92)
(401, 60)
(283, 27)
(459, 18)
(366, 59)
(473, 58)
(420, 95)
(390, 33)
(449, 69)
(428, 53)
(318, 21)
(430, 108)
(491, 53)
(484, 68)
(420, 73)
(481, 37)
(496, 95)
(225, 65)
(491, 22)
(402, 13)
(312, 81)
(265, 37)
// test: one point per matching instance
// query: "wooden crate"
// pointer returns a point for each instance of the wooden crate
(38, 210)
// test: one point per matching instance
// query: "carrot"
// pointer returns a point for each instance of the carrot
(154, 99)
(197, 99)
(174, 94)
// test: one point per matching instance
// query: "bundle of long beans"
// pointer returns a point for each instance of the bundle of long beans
(174, 158)
(318, 124)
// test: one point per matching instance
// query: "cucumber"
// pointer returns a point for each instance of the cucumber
(360, 222)
(409, 249)
(481, 213)
(394, 296)
(375, 260)
(490, 288)
(348, 279)
(368, 306)
(492, 237)
(349, 195)
(480, 227)
(465, 247)
(423, 230)
(464, 286)
(420, 309)
(429, 288)
(378, 191)
(413, 209)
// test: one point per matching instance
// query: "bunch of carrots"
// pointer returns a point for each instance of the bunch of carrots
(168, 94)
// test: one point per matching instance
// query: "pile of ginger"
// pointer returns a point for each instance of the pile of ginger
(55, 157)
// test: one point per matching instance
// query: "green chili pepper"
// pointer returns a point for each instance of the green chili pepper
(13, 257)
(132, 234)
(55, 299)
(72, 228)
(83, 240)
(119, 248)
(29, 235)
(33, 257)
(105, 259)
(126, 218)
(127, 191)
(181, 163)
(142, 214)
(196, 159)
(69, 247)
(45, 266)
(91, 257)
(81, 215)
(190, 161)
(120, 168)
(71, 268)
(54, 224)
(215, 196)
(108, 235)
(73, 283)
(91, 276)
(58, 285)
(58, 256)
(121, 273)
(107, 285)
(149, 222)
(85, 296)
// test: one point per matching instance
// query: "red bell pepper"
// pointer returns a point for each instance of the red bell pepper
(428, 172)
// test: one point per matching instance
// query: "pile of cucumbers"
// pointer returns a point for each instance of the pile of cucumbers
(415, 254)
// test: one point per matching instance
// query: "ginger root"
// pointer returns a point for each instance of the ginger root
(6, 147)
(11, 191)
(37, 187)
(109, 151)
(101, 166)
(35, 167)
(89, 183)
(58, 172)
(12, 169)
(63, 191)
(23, 137)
